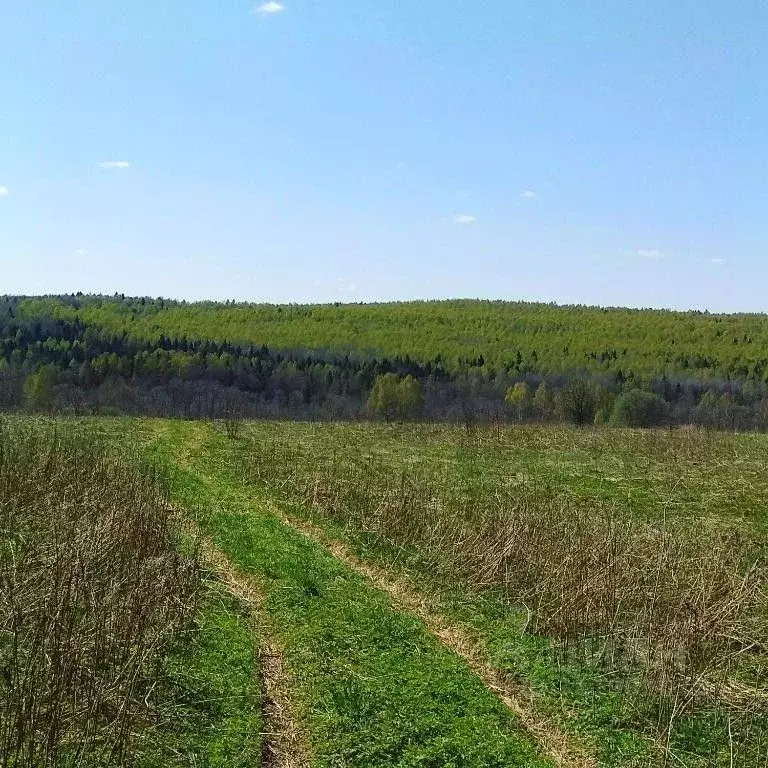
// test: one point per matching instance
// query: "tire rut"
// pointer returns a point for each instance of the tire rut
(283, 742)
(558, 745)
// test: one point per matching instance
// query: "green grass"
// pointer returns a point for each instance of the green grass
(372, 686)
(207, 705)
(113, 649)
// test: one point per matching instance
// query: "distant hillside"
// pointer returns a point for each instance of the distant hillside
(444, 360)
(501, 337)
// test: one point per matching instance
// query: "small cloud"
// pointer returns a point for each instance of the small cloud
(528, 194)
(4, 191)
(81, 252)
(111, 165)
(651, 253)
(717, 260)
(464, 219)
(270, 7)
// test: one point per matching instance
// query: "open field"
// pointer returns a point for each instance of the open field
(639, 553)
(616, 575)
(420, 595)
(370, 686)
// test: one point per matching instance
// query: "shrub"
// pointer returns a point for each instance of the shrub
(394, 397)
(637, 408)
(518, 398)
(579, 401)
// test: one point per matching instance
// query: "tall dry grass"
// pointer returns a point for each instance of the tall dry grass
(685, 603)
(92, 588)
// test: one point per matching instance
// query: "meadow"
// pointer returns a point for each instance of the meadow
(633, 558)
(402, 594)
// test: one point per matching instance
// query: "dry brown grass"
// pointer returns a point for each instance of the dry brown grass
(92, 589)
(686, 604)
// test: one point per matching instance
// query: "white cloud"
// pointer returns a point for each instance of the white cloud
(270, 7)
(528, 194)
(464, 218)
(650, 253)
(81, 252)
(111, 165)
(4, 191)
(717, 260)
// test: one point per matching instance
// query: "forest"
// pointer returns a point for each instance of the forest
(437, 360)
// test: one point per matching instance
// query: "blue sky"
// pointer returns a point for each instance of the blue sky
(605, 152)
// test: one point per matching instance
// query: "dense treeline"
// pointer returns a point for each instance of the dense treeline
(456, 359)
(503, 337)
(55, 362)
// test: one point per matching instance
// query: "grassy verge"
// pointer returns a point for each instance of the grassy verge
(206, 706)
(111, 651)
(372, 686)
(94, 591)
